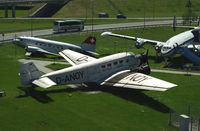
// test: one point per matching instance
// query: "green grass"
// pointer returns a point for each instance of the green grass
(61, 108)
(64, 108)
(16, 25)
(57, 66)
(130, 8)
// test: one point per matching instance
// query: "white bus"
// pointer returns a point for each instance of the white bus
(68, 26)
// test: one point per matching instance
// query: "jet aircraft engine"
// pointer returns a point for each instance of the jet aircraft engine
(139, 43)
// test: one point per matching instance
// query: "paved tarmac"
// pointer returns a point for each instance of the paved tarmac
(41, 65)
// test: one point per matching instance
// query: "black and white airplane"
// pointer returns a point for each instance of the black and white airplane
(167, 49)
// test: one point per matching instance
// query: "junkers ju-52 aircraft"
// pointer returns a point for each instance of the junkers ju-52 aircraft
(33, 45)
(125, 70)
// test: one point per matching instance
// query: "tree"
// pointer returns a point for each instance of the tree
(189, 15)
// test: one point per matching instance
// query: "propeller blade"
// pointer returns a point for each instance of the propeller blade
(147, 54)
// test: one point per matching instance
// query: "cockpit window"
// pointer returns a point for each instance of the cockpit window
(165, 48)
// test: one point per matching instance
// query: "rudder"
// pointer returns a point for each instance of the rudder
(28, 73)
(89, 44)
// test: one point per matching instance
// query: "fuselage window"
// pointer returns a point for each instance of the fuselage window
(103, 66)
(121, 61)
(127, 60)
(109, 65)
(115, 63)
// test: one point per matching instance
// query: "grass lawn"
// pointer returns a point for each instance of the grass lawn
(62, 107)
(15, 25)
(130, 8)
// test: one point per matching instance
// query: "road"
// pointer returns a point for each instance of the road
(41, 66)
(49, 32)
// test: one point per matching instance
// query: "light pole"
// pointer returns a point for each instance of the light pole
(31, 20)
(92, 2)
(144, 12)
(153, 9)
(86, 6)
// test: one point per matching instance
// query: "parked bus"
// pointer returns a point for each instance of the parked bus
(68, 26)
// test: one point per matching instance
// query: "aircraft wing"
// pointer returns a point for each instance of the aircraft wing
(75, 58)
(131, 38)
(37, 49)
(133, 80)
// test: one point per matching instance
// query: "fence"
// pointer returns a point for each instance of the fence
(174, 119)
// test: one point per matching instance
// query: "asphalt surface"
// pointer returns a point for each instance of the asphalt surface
(41, 65)
(49, 32)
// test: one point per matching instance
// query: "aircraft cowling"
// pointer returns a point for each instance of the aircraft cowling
(196, 51)
(139, 43)
(143, 69)
(157, 48)
(31, 49)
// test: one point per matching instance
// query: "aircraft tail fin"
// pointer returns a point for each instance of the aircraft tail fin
(89, 44)
(29, 73)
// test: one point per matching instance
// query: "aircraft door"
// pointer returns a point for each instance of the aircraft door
(93, 72)
(196, 35)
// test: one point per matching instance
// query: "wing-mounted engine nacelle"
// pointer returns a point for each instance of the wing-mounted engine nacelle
(196, 50)
(158, 47)
(31, 49)
(139, 43)
(143, 69)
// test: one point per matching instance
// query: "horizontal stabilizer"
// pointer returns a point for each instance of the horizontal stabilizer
(44, 82)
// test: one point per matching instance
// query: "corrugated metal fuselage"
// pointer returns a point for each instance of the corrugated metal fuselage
(95, 70)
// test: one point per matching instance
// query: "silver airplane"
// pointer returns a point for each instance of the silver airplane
(33, 45)
(124, 70)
